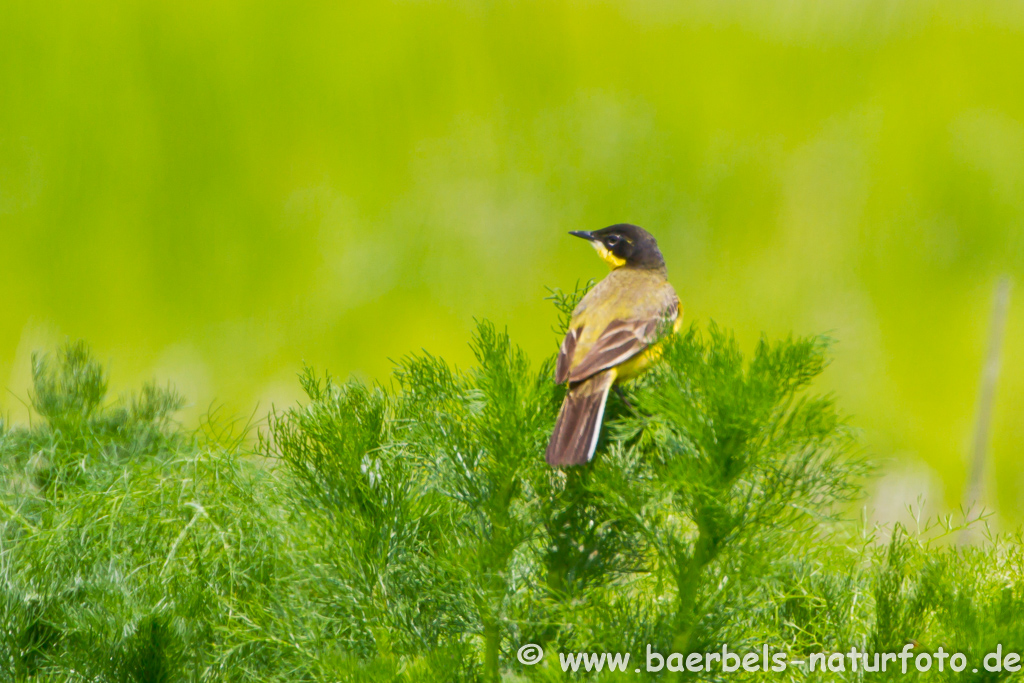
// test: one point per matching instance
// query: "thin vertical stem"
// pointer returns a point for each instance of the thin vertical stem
(987, 390)
(492, 649)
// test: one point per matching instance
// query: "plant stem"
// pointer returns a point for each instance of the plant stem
(986, 395)
(492, 643)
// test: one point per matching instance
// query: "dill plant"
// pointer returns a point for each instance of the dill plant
(412, 531)
(743, 468)
(131, 550)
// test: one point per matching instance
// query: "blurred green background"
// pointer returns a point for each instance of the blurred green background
(213, 193)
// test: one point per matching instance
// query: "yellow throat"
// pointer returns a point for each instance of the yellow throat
(607, 256)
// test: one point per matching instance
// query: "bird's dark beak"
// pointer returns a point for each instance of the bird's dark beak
(582, 233)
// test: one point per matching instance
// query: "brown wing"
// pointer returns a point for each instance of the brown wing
(565, 353)
(619, 342)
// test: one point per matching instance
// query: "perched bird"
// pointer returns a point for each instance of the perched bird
(613, 336)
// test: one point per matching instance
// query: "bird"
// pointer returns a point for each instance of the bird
(615, 333)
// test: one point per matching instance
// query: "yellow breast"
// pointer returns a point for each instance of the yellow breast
(638, 364)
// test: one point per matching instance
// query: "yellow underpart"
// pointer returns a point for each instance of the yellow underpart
(607, 256)
(636, 365)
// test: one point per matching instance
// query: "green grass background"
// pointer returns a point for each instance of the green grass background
(211, 193)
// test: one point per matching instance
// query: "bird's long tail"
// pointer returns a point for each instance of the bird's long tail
(579, 421)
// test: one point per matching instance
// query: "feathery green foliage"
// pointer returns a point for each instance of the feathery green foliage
(413, 532)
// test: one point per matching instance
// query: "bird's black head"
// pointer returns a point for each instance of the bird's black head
(625, 245)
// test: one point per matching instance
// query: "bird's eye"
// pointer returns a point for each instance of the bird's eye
(612, 240)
